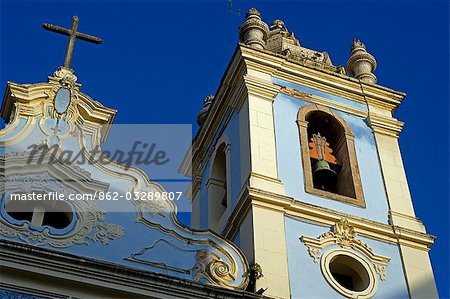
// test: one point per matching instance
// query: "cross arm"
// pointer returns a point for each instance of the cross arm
(89, 38)
(56, 29)
(82, 36)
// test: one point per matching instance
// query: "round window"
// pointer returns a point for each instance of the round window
(349, 274)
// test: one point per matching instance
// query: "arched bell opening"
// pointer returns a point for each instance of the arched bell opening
(328, 152)
(330, 166)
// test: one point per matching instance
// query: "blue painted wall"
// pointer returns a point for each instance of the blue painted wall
(306, 279)
(290, 168)
(145, 245)
(7, 294)
(231, 132)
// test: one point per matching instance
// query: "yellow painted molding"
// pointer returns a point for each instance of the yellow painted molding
(260, 88)
(343, 234)
(32, 100)
(307, 212)
(263, 182)
(371, 271)
(330, 82)
(384, 125)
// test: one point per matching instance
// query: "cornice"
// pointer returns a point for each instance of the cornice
(50, 263)
(384, 125)
(325, 217)
(331, 82)
(30, 100)
(260, 88)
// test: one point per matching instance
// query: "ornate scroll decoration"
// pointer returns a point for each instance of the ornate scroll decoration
(314, 253)
(64, 78)
(89, 221)
(381, 271)
(104, 232)
(214, 264)
(89, 226)
(212, 268)
(313, 59)
(155, 207)
(344, 235)
(155, 254)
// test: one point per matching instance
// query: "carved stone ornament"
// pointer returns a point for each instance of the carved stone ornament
(211, 267)
(283, 42)
(203, 113)
(88, 223)
(254, 31)
(66, 77)
(295, 93)
(63, 94)
(208, 265)
(344, 235)
(361, 64)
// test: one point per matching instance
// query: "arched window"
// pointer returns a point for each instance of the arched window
(217, 188)
(328, 155)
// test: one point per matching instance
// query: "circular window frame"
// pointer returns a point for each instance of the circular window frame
(328, 257)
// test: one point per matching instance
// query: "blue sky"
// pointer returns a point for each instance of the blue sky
(160, 59)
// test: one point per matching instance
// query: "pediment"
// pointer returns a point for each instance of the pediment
(126, 232)
(33, 100)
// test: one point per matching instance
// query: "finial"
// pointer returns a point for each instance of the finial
(361, 64)
(278, 24)
(203, 113)
(65, 76)
(253, 31)
(357, 44)
(253, 12)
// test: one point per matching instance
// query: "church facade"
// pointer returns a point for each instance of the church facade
(298, 188)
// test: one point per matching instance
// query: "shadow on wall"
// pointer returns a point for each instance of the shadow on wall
(422, 290)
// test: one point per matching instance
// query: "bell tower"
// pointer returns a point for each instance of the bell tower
(297, 162)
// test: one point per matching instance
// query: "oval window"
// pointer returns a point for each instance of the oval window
(349, 274)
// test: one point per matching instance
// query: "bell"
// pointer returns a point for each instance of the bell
(324, 177)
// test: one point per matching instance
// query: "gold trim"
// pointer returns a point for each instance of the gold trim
(384, 125)
(307, 212)
(333, 83)
(344, 235)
